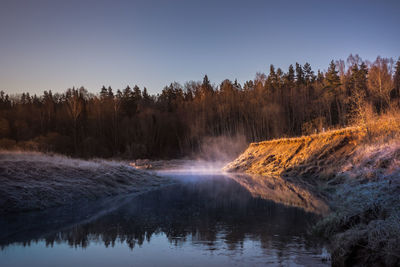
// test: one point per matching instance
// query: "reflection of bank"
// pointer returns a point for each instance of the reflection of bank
(281, 190)
(206, 208)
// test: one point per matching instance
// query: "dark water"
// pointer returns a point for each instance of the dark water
(204, 221)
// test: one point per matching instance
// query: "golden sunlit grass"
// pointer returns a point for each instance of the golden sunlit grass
(306, 155)
(384, 127)
(324, 153)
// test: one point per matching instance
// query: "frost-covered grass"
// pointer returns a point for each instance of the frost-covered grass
(374, 161)
(32, 181)
(365, 225)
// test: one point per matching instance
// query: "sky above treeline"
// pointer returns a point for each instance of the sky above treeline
(55, 44)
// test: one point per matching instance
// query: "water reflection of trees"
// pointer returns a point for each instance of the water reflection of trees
(202, 212)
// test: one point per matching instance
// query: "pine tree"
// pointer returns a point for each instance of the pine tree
(137, 94)
(332, 83)
(206, 88)
(127, 92)
(103, 92)
(299, 74)
(362, 78)
(278, 77)
(308, 73)
(118, 95)
(332, 78)
(128, 102)
(290, 75)
(110, 93)
(352, 82)
(272, 78)
(146, 96)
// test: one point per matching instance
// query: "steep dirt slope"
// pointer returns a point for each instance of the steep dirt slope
(320, 154)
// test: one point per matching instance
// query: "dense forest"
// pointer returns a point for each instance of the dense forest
(130, 123)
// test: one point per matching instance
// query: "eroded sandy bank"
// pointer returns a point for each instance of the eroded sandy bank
(307, 156)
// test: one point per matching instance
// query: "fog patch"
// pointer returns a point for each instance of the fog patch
(213, 154)
(221, 148)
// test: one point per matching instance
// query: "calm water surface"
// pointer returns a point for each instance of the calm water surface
(205, 220)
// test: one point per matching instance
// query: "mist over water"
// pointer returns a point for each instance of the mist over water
(222, 149)
(213, 155)
(193, 168)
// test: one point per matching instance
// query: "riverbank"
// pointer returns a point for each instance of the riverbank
(36, 181)
(357, 171)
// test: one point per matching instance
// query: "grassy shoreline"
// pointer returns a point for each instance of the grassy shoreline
(357, 171)
(36, 181)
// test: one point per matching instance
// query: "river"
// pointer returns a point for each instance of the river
(202, 220)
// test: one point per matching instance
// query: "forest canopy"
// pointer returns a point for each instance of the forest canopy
(130, 123)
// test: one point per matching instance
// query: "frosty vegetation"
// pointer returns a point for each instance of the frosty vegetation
(33, 181)
(365, 224)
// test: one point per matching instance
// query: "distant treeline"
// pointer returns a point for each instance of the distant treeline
(131, 123)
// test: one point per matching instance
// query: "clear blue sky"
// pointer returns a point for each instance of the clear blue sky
(58, 44)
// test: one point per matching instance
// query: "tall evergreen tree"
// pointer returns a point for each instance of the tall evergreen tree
(362, 78)
(110, 93)
(290, 74)
(299, 74)
(272, 80)
(332, 83)
(332, 78)
(146, 96)
(137, 94)
(103, 92)
(309, 76)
